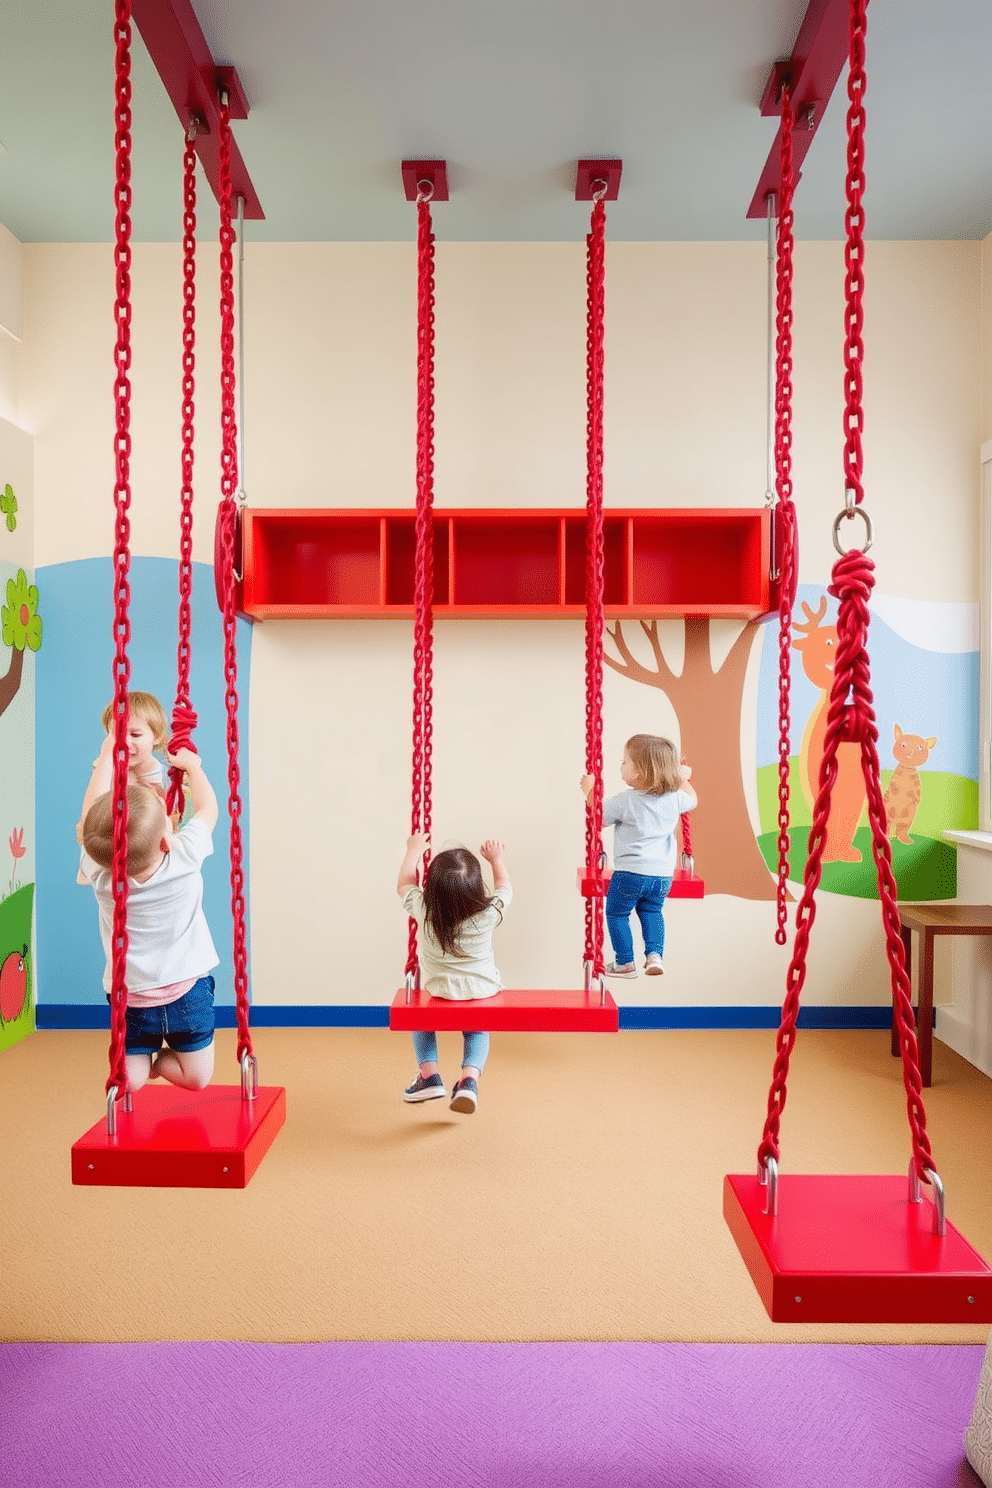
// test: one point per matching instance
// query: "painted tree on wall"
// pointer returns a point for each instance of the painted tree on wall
(21, 627)
(708, 704)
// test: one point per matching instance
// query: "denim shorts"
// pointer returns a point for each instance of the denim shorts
(185, 1025)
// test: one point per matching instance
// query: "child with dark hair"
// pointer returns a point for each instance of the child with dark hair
(456, 917)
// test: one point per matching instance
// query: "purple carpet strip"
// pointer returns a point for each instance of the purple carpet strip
(531, 1415)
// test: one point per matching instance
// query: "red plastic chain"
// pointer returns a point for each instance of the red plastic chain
(183, 716)
(851, 716)
(686, 834)
(228, 487)
(595, 583)
(785, 511)
(122, 538)
(852, 721)
(854, 253)
(423, 626)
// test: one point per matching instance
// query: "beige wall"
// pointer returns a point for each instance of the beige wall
(330, 419)
(986, 323)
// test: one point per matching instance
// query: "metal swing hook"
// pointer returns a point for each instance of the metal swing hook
(851, 509)
(940, 1200)
(425, 191)
(768, 1178)
(249, 1076)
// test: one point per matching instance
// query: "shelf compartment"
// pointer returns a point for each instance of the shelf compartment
(616, 560)
(400, 561)
(700, 563)
(313, 559)
(499, 564)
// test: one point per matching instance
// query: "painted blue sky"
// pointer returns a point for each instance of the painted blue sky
(925, 691)
(74, 683)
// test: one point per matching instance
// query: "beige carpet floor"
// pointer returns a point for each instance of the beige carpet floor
(582, 1201)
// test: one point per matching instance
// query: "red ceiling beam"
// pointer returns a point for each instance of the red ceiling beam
(192, 79)
(812, 71)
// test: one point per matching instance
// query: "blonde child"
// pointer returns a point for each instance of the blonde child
(170, 994)
(456, 917)
(644, 848)
(147, 730)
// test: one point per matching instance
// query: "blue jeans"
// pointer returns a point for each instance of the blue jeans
(475, 1048)
(635, 891)
(186, 1025)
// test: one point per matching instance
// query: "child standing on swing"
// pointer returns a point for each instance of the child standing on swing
(644, 848)
(455, 917)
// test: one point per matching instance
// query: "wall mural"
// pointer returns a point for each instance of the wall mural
(924, 668)
(21, 631)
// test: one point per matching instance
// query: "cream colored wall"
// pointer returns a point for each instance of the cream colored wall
(986, 331)
(330, 346)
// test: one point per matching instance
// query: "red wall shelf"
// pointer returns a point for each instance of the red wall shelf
(514, 563)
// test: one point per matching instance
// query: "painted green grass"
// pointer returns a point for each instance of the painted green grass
(925, 870)
(15, 933)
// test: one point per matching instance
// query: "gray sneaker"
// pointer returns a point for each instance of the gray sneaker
(465, 1096)
(431, 1088)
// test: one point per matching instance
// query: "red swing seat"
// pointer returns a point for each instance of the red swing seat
(541, 1010)
(853, 1249)
(175, 1138)
(172, 1138)
(842, 1248)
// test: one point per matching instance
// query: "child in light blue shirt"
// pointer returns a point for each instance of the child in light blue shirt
(644, 819)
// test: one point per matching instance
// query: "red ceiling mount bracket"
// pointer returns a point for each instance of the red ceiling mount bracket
(812, 71)
(192, 79)
(590, 173)
(419, 174)
(228, 82)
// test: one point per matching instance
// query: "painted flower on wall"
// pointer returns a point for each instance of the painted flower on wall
(21, 621)
(16, 843)
(8, 505)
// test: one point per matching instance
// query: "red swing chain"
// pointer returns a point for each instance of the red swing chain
(183, 716)
(785, 511)
(423, 626)
(595, 617)
(851, 716)
(122, 537)
(228, 513)
(686, 834)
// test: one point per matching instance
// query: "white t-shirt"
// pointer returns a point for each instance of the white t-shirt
(644, 840)
(471, 975)
(168, 937)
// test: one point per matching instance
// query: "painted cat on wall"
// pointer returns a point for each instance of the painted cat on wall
(905, 790)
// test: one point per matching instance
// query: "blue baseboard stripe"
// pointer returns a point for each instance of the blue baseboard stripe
(92, 1015)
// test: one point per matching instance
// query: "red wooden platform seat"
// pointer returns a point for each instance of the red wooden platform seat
(854, 1249)
(685, 884)
(175, 1138)
(534, 1011)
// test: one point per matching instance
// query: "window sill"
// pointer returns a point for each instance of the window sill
(980, 840)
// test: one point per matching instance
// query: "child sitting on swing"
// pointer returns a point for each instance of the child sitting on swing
(455, 918)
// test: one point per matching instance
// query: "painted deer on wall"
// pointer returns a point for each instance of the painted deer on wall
(818, 647)
(905, 791)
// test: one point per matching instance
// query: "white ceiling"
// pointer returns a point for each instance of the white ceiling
(511, 93)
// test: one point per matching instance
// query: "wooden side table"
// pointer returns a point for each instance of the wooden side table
(931, 920)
